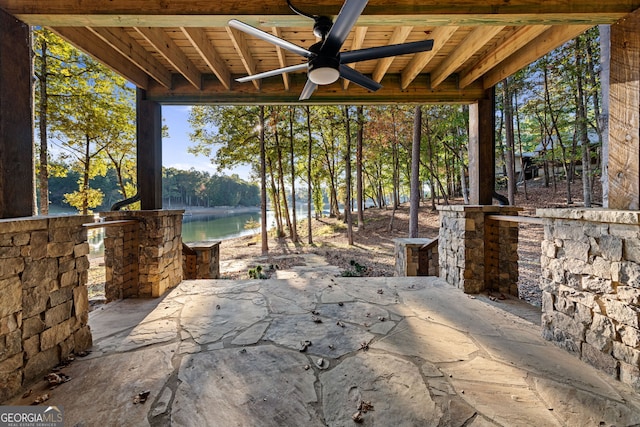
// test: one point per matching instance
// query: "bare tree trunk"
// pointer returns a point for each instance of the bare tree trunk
(309, 192)
(347, 172)
(294, 228)
(510, 141)
(359, 187)
(263, 185)
(581, 119)
(555, 127)
(414, 204)
(522, 165)
(284, 205)
(275, 197)
(85, 177)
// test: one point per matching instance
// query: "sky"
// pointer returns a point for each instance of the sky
(174, 148)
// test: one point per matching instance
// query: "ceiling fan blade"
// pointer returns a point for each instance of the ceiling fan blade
(385, 51)
(349, 14)
(308, 90)
(358, 78)
(276, 72)
(270, 38)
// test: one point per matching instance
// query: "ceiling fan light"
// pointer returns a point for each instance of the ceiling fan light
(324, 75)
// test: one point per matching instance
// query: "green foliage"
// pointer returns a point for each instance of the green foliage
(256, 273)
(90, 116)
(356, 270)
(91, 196)
(196, 188)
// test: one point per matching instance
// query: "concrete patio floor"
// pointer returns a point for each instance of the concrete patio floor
(388, 351)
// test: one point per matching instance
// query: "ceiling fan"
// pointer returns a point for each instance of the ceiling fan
(325, 63)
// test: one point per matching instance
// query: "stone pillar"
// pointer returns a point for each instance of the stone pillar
(158, 256)
(416, 257)
(476, 254)
(44, 306)
(17, 185)
(591, 287)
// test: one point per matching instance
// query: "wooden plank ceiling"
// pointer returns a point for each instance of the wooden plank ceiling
(184, 52)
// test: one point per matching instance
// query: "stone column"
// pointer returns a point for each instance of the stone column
(158, 255)
(476, 254)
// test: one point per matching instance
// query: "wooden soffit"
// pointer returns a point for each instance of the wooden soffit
(183, 51)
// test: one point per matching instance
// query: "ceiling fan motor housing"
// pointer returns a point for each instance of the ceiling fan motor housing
(324, 70)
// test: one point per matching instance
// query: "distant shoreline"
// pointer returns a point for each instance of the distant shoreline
(220, 211)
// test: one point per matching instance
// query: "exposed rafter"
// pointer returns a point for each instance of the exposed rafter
(281, 58)
(520, 38)
(202, 44)
(242, 48)
(172, 53)
(358, 39)
(399, 35)
(440, 37)
(156, 43)
(465, 50)
(549, 40)
(118, 39)
(88, 42)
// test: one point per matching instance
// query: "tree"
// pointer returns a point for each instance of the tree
(86, 107)
(415, 174)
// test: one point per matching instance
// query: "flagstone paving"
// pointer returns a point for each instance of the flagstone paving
(381, 352)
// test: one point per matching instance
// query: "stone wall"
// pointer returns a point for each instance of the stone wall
(416, 257)
(159, 252)
(201, 260)
(475, 253)
(44, 306)
(591, 287)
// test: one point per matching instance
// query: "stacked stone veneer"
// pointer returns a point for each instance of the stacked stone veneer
(591, 287)
(416, 257)
(475, 253)
(43, 298)
(157, 260)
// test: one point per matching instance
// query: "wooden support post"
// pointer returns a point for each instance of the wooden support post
(624, 114)
(17, 179)
(482, 150)
(149, 152)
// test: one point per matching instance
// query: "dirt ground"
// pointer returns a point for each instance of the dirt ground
(374, 243)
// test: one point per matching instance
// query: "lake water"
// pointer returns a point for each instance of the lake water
(201, 227)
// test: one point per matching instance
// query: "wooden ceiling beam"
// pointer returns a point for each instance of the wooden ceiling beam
(399, 35)
(546, 42)
(94, 46)
(208, 53)
(173, 13)
(282, 60)
(166, 47)
(372, 21)
(420, 60)
(127, 46)
(242, 49)
(359, 34)
(474, 41)
(270, 92)
(519, 39)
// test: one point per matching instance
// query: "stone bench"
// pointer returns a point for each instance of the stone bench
(201, 260)
(416, 257)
